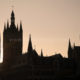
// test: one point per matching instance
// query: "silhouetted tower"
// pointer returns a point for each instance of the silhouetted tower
(12, 19)
(41, 53)
(30, 49)
(69, 50)
(12, 40)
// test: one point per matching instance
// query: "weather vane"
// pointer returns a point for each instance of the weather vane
(12, 5)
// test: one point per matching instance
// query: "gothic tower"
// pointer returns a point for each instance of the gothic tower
(12, 40)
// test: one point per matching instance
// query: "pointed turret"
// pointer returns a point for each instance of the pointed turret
(41, 53)
(12, 18)
(7, 24)
(69, 50)
(20, 26)
(4, 26)
(30, 44)
(69, 44)
(17, 27)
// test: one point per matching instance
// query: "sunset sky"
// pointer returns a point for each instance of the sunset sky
(50, 22)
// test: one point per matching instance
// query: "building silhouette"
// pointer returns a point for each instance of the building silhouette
(74, 54)
(30, 65)
(12, 40)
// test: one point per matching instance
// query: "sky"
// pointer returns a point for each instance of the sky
(50, 22)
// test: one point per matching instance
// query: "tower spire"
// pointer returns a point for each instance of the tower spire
(12, 18)
(30, 44)
(20, 25)
(69, 50)
(17, 27)
(69, 44)
(4, 26)
(7, 24)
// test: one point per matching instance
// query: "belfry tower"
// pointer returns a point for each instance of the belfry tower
(12, 40)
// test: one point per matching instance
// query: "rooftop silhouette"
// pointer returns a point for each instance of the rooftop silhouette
(31, 66)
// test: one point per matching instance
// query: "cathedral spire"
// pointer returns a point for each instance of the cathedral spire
(69, 50)
(69, 44)
(12, 18)
(30, 44)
